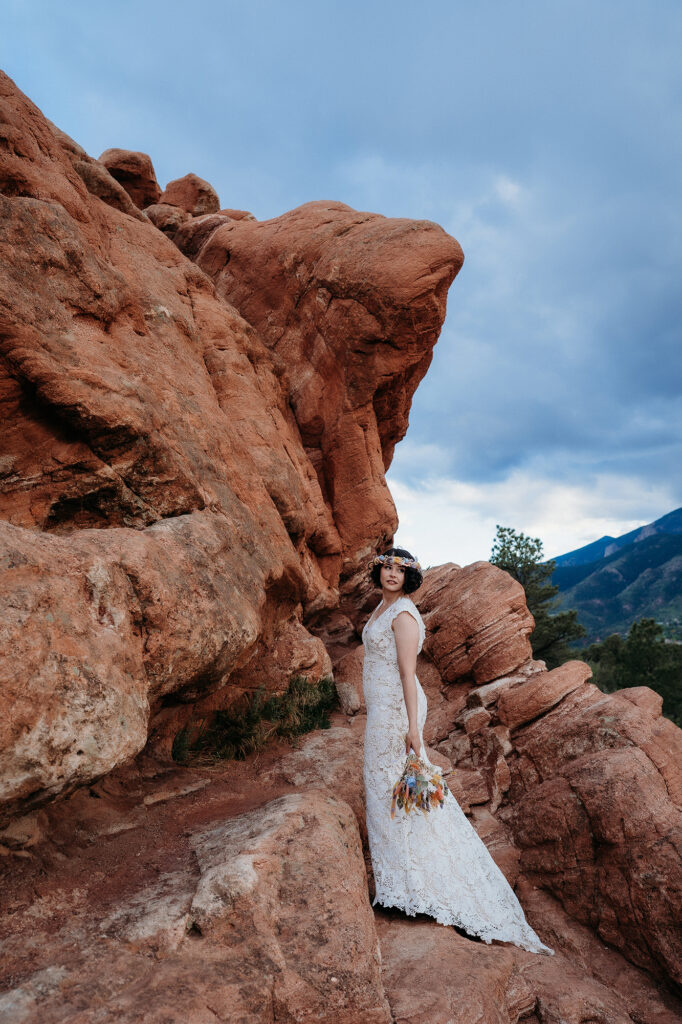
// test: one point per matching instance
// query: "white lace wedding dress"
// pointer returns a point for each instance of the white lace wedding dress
(429, 864)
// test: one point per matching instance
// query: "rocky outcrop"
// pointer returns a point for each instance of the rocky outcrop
(588, 783)
(192, 194)
(598, 825)
(521, 704)
(261, 917)
(160, 455)
(198, 410)
(135, 172)
(352, 306)
(580, 790)
(174, 895)
(452, 599)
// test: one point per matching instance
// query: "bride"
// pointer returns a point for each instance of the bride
(423, 863)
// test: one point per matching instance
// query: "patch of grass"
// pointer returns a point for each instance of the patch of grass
(248, 725)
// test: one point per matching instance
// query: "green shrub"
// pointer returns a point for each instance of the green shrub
(643, 658)
(555, 631)
(234, 733)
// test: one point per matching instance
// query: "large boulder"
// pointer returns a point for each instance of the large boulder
(135, 172)
(597, 824)
(192, 194)
(262, 917)
(520, 704)
(351, 303)
(477, 622)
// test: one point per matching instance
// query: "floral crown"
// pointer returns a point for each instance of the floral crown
(405, 563)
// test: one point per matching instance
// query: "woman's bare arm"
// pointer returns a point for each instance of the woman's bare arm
(407, 641)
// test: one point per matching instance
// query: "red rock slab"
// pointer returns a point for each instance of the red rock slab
(470, 983)
(503, 738)
(489, 693)
(474, 720)
(192, 233)
(328, 759)
(529, 700)
(604, 836)
(99, 624)
(167, 218)
(191, 193)
(588, 720)
(319, 951)
(484, 696)
(499, 842)
(658, 737)
(477, 622)
(259, 917)
(100, 183)
(566, 996)
(432, 975)
(474, 785)
(237, 214)
(644, 698)
(458, 790)
(590, 958)
(457, 747)
(135, 172)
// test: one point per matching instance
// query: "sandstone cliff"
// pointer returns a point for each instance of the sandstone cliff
(198, 409)
(187, 468)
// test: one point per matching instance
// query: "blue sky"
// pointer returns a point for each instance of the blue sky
(545, 136)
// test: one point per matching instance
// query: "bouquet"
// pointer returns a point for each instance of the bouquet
(419, 786)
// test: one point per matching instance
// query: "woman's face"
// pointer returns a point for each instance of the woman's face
(392, 578)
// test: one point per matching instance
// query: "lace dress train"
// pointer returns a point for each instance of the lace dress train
(434, 864)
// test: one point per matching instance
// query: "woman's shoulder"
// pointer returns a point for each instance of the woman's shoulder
(406, 604)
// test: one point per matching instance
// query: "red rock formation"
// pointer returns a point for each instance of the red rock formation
(453, 598)
(167, 218)
(150, 426)
(520, 704)
(135, 172)
(198, 412)
(352, 304)
(588, 782)
(192, 194)
(175, 890)
(597, 823)
(262, 916)
(237, 214)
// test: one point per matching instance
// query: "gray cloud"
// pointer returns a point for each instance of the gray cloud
(545, 137)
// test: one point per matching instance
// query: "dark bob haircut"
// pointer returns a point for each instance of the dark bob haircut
(413, 577)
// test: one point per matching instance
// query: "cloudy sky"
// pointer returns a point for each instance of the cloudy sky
(545, 135)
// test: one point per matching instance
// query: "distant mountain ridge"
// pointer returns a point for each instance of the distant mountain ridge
(669, 523)
(612, 582)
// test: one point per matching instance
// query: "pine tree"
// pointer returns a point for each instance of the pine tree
(643, 658)
(521, 557)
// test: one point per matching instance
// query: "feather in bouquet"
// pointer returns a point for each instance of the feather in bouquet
(419, 786)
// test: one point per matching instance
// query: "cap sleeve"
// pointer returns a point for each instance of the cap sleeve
(403, 604)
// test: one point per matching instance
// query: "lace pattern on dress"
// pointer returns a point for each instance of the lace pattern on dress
(437, 864)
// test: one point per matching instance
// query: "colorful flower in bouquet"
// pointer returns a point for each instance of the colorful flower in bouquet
(419, 786)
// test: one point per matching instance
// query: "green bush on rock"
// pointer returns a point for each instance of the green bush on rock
(247, 726)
